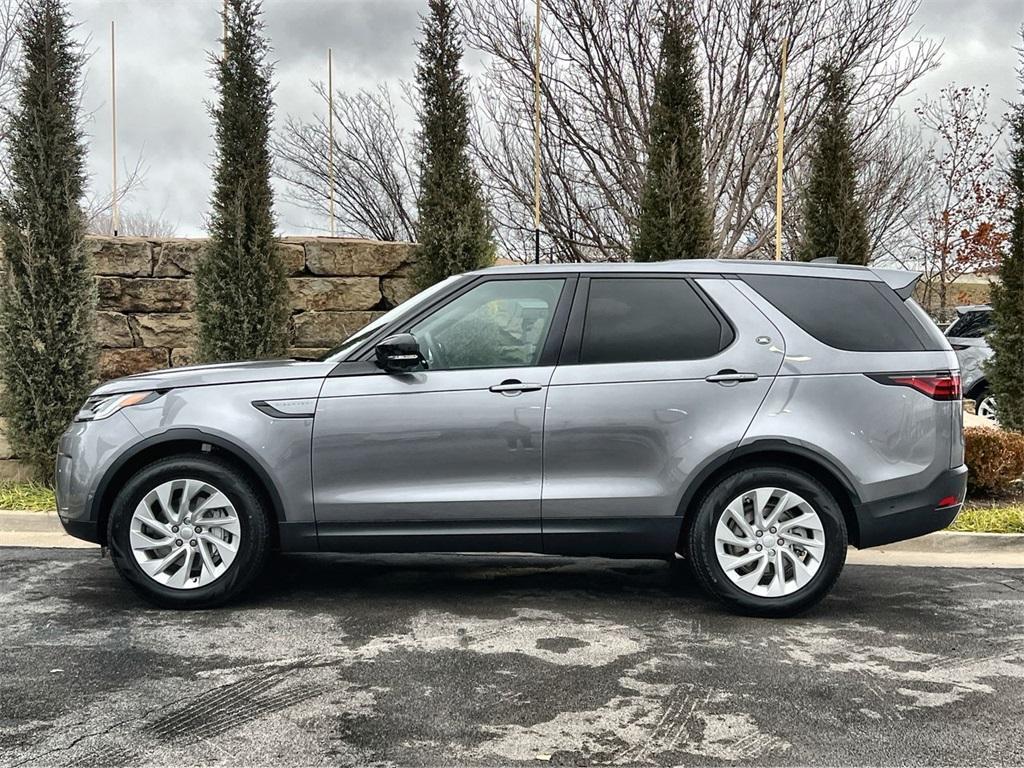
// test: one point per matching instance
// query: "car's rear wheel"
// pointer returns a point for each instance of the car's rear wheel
(189, 531)
(768, 541)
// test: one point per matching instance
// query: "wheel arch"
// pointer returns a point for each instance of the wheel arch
(776, 453)
(176, 442)
(977, 388)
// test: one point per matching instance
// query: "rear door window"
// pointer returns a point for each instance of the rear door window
(635, 320)
(853, 315)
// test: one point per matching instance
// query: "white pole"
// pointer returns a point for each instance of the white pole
(114, 213)
(536, 137)
(330, 137)
(778, 158)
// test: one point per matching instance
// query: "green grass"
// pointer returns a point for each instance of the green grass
(990, 517)
(977, 516)
(31, 496)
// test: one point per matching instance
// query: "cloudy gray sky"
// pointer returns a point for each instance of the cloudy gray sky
(163, 77)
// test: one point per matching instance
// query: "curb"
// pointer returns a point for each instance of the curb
(36, 529)
(24, 524)
(957, 542)
(27, 521)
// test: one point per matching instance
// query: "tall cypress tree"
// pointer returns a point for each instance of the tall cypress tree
(47, 295)
(454, 228)
(1006, 368)
(675, 221)
(833, 217)
(241, 290)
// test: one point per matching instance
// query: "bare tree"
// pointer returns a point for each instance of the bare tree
(134, 224)
(10, 70)
(10, 17)
(598, 62)
(374, 175)
(98, 207)
(964, 228)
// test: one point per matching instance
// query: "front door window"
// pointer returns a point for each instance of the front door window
(497, 324)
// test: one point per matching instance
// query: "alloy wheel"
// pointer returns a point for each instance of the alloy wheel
(770, 542)
(987, 408)
(185, 534)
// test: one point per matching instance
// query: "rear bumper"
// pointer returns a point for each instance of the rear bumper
(911, 515)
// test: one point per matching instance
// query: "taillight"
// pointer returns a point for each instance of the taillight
(937, 386)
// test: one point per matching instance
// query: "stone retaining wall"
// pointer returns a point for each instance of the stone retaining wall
(145, 316)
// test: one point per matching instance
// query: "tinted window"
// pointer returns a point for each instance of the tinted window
(971, 325)
(494, 325)
(846, 314)
(632, 320)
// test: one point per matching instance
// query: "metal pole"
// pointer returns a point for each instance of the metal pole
(114, 212)
(778, 159)
(330, 137)
(536, 138)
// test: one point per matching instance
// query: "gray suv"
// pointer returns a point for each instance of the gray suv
(749, 418)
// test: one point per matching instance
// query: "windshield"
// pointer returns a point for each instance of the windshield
(345, 347)
(971, 325)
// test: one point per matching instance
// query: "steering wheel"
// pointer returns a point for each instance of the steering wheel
(433, 350)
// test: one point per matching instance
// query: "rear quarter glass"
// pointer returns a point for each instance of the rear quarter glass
(851, 315)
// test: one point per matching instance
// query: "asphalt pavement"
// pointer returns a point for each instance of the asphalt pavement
(485, 660)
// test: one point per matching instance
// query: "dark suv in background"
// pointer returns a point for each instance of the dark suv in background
(752, 417)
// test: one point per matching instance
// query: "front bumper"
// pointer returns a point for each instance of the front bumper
(913, 514)
(85, 452)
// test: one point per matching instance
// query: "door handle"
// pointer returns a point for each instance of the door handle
(514, 387)
(730, 376)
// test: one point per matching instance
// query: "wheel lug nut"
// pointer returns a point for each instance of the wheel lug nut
(782, 542)
(177, 542)
(174, 528)
(771, 552)
(772, 529)
(193, 542)
(199, 529)
(759, 533)
(758, 547)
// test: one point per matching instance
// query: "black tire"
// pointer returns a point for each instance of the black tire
(700, 543)
(252, 515)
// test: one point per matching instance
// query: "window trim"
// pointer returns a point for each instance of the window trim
(365, 353)
(572, 346)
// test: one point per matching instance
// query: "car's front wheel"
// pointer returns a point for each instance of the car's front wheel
(189, 531)
(768, 541)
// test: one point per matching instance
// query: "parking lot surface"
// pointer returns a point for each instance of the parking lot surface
(481, 660)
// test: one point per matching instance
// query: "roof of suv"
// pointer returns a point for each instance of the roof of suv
(719, 267)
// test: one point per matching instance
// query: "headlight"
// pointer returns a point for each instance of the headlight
(102, 406)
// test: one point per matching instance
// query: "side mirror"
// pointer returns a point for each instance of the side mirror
(400, 354)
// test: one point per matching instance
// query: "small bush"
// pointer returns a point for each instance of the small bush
(995, 459)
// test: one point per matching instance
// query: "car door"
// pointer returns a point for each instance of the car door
(448, 457)
(660, 375)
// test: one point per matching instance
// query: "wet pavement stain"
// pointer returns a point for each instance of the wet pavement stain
(482, 660)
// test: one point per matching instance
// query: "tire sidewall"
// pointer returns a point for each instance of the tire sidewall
(251, 517)
(701, 543)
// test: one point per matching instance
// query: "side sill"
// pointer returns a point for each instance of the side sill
(417, 536)
(613, 536)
